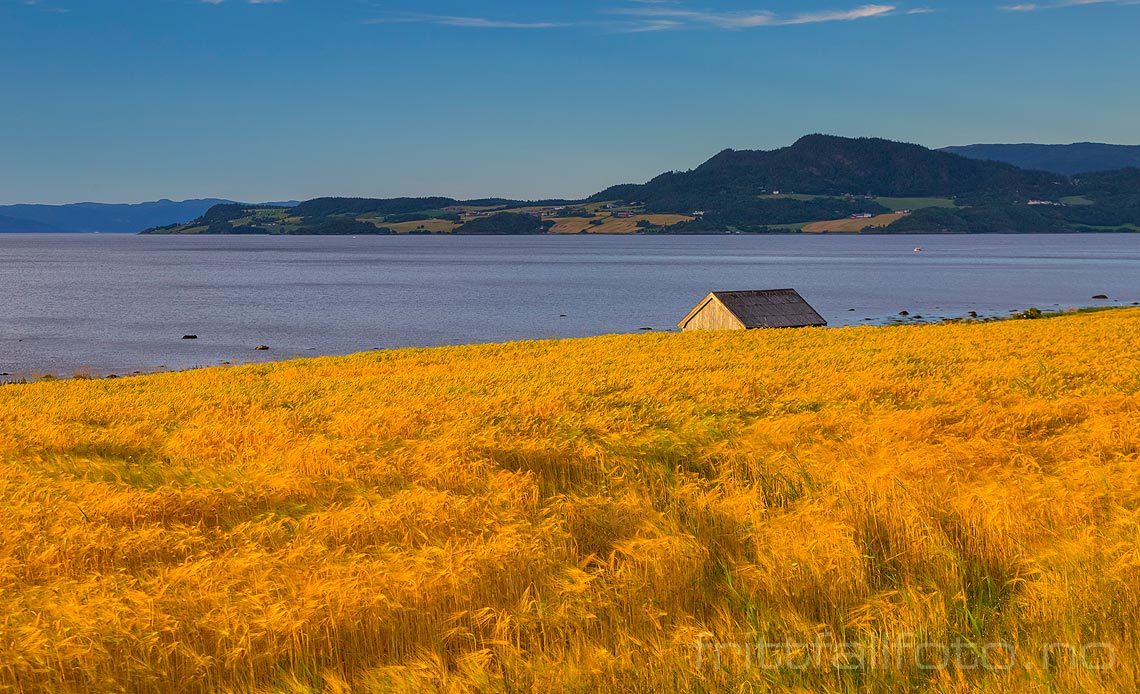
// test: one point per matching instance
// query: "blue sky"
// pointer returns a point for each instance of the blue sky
(130, 100)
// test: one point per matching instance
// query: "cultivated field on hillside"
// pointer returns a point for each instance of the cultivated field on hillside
(435, 226)
(613, 225)
(915, 203)
(851, 226)
(939, 508)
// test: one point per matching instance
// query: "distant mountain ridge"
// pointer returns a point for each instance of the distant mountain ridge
(102, 217)
(1069, 160)
(10, 225)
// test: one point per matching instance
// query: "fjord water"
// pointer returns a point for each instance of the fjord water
(103, 304)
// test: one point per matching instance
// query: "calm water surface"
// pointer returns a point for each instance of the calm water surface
(115, 304)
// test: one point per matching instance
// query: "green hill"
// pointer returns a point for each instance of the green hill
(835, 166)
(822, 177)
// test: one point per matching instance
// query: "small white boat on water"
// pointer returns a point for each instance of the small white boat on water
(919, 249)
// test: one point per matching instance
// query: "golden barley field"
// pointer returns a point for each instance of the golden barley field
(936, 508)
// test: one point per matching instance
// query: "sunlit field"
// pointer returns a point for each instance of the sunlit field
(939, 508)
(852, 226)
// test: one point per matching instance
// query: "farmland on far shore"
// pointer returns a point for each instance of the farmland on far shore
(897, 204)
(821, 183)
(614, 225)
(426, 226)
(852, 225)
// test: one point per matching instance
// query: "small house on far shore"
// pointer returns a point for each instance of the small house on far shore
(771, 308)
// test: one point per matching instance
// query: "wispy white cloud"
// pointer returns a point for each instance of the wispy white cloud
(643, 16)
(683, 16)
(466, 22)
(45, 7)
(1034, 6)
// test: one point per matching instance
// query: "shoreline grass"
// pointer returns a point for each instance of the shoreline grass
(591, 514)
